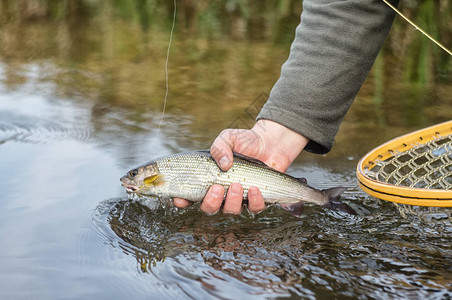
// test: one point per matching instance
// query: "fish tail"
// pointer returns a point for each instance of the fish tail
(334, 200)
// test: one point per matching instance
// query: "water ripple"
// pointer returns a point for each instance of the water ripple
(276, 255)
(15, 128)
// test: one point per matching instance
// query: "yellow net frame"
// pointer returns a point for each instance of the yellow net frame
(414, 169)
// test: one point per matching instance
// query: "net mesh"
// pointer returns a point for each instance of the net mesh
(426, 166)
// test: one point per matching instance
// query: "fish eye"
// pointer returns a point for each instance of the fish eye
(133, 173)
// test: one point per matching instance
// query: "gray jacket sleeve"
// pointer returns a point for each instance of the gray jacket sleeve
(335, 46)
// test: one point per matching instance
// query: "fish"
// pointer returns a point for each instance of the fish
(189, 175)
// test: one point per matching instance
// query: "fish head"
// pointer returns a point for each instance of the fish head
(142, 179)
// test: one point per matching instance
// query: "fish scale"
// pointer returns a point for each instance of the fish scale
(190, 175)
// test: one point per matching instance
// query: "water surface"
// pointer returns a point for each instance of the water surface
(79, 108)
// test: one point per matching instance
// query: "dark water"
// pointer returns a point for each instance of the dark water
(79, 108)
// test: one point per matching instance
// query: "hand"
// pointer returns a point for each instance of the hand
(268, 141)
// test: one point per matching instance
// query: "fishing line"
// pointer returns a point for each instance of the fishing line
(166, 68)
(417, 27)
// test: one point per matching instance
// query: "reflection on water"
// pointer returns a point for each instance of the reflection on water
(81, 91)
(223, 57)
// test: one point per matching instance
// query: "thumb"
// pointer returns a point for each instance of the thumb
(221, 149)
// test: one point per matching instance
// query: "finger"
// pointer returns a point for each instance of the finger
(233, 202)
(221, 149)
(213, 199)
(181, 203)
(255, 200)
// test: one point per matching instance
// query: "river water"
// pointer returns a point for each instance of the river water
(81, 105)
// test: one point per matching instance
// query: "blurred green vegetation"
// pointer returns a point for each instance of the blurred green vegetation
(225, 54)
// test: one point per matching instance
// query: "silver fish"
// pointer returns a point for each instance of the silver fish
(189, 175)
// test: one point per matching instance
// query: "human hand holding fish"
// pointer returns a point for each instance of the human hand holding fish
(268, 141)
(275, 145)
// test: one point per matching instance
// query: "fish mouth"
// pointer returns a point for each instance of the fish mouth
(129, 185)
(130, 188)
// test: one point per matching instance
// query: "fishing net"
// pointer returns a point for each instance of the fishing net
(414, 172)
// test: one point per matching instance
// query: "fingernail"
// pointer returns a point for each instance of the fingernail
(217, 191)
(224, 162)
(252, 192)
(235, 189)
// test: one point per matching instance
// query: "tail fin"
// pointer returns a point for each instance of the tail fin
(334, 200)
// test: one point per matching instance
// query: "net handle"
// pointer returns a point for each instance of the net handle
(401, 194)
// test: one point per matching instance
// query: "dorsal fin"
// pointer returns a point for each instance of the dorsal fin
(238, 155)
(303, 180)
(206, 151)
(250, 159)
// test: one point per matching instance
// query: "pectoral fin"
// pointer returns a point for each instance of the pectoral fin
(156, 179)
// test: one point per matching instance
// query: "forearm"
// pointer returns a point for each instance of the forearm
(334, 49)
